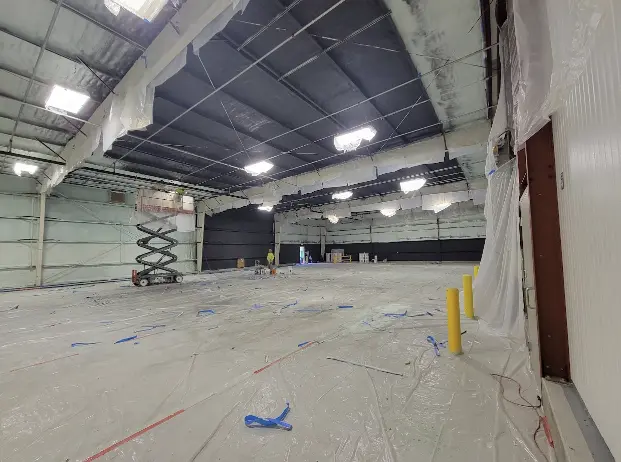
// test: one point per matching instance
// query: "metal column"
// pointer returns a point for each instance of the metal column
(39, 261)
(277, 228)
(200, 235)
(547, 254)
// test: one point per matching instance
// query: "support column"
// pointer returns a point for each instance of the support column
(277, 228)
(40, 241)
(322, 242)
(547, 255)
(200, 235)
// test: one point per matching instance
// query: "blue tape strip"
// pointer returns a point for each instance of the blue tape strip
(73, 345)
(302, 344)
(396, 315)
(201, 312)
(278, 422)
(307, 310)
(291, 304)
(436, 346)
(346, 306)
(127, 339)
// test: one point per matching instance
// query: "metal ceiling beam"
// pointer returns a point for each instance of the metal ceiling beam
(60, 54)
(332, 59)
(161, 157)
(34, 71)
(165, 171)
(188, 22)
(97, 23)
(43, 83)
(276, 76)
(228, 128)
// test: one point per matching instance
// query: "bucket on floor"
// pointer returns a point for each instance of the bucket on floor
(241, 263)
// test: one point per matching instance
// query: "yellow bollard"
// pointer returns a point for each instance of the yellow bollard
(476, 271)
(454, 324)
(468, 298)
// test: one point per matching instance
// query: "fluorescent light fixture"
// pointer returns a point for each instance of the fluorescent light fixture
(145, 9)
(19, 168)
(439, 207)
(343, 195)
(412, 185)
(259, 168)
(265, 208)
(389, 212)
(352, 140)
(333, 219)
(66, 100)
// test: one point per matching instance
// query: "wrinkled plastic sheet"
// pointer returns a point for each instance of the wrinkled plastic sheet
(553, 39)
(497, 287)
(181, 389)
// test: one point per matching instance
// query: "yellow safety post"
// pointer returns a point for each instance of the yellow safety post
(476, 271)
(468, 298)
(454, 324)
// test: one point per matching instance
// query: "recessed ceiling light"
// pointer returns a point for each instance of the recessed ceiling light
(265, 208)
(440, 207)
(333, 219)
(259, 168)
(343, 195)
(145, 9)
(20, 167)
(389, 212)
(412, 185)
(65, 100)
(352, 140)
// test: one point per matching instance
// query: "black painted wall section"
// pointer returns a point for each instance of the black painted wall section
(239, 233)
(290, 253)
(442, 250)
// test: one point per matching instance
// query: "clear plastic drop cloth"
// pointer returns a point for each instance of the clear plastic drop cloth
(112, 372)
(553, 39)
(497, 287)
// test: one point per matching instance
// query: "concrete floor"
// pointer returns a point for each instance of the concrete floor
(181, 389)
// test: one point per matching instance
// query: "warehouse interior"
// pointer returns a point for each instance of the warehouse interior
(348, 230)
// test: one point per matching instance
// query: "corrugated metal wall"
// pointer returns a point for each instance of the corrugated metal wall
(460, 221)
(587, 139)
(87, 238)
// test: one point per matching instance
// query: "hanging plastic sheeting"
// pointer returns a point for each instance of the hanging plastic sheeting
(497, 286)
(134, 111)
(553, 39)
(218, 24)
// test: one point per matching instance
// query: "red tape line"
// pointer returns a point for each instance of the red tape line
(284, 357)
(131, 437)
(43, 362)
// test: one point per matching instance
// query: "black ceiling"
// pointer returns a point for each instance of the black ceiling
(262, 104)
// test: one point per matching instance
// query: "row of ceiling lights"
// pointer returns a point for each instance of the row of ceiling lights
(406, 187)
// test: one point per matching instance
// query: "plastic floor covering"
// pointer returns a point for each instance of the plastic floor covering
(75, 385)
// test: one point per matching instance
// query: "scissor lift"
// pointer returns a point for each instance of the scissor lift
(156, 272)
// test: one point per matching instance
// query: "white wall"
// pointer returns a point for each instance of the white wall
(300, 234)
(587, 141)
(87, 238)
(460, 221)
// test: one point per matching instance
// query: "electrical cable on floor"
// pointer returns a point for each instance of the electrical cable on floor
(528, 405)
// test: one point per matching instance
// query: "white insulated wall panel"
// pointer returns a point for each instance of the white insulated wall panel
(299, 234)
(462, 221)
(587, 143)
(86, 237)
(19, 205)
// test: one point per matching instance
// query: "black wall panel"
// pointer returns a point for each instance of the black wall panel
(443, 250)
(290, 253)
(240, 233)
